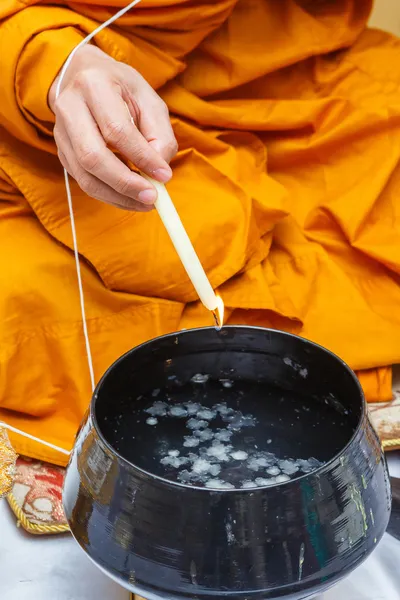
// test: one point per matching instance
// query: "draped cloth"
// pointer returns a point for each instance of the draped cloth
(287, 179)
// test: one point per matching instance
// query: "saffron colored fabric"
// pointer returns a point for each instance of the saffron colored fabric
(287, 116)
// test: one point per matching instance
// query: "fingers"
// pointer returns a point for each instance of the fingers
(77, 128)
(109, 111)
(155, 126)
(91, 185)
(92, 122)
(152, 114)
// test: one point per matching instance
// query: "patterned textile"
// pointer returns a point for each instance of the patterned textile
(36, 497)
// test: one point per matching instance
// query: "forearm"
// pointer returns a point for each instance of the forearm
(35, 42)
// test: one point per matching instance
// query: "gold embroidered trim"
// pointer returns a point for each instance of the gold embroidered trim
(33, 528)
(391, 444)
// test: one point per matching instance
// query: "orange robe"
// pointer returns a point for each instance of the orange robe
(287, 114)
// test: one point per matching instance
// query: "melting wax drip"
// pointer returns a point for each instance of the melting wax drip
(218, 324)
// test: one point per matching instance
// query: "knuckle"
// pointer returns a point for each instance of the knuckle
(86, 184)
(82, 79)
(88, 158)
(140, 156)
(169, 149)
(87, 81)
(114, 132)
(172, 146)
(124, 187)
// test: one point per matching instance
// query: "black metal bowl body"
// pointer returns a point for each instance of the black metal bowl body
(163, 539)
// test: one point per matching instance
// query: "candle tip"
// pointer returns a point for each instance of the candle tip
(218, 326)
(218, 314)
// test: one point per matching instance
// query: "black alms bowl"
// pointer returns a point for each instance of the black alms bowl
(163, 539)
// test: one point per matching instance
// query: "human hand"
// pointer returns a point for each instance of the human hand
(91, 116)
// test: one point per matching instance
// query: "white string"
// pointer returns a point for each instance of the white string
(73, 230)
(68, 189)
(35, 439)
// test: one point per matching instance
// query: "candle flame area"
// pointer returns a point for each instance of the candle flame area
(218, 314)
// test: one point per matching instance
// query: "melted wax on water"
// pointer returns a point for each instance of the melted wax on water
(213, 460)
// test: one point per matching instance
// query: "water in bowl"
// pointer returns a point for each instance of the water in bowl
(225, 434)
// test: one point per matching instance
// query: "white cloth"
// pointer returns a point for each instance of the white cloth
(35, 568)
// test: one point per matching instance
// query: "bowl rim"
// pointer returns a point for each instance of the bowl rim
(177, 484)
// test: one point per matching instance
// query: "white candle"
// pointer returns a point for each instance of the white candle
(180, 239)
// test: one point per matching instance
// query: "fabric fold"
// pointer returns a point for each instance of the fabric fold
(288, 119)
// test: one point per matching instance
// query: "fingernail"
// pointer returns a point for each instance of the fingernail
(147, 196)
(162, 175)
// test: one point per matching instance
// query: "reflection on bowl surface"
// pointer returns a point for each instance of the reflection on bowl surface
(237, 463)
